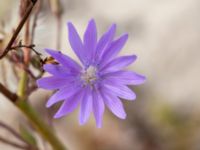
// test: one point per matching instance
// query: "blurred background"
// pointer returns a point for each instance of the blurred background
(165, 35)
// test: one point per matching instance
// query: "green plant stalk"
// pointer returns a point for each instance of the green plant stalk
(22, 103)
(34, 117)
(22, 85)
(40, 125)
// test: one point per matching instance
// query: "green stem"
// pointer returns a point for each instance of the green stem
(22, 85)
(34, 117)
(40, 125)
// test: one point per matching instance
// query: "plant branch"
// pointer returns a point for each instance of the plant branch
(11, 143)
(40, 125)
(12, 131)
(20, 99)
(37, 11)
(19, 27)
(11, 96)
(21, 46)
(31, 46)
(32, 115)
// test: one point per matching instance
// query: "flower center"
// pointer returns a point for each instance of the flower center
(89, 76)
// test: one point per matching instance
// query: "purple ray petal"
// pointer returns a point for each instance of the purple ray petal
(118, 63)
(52, 83)
(125, 77)
(86, 106)
(119, 90)
(98, 107)
(114, 104)
(105, 41)
(90, 39)
(75, 42)
(69, 105)
(57, 70)
(64, 60)
(114, 49)
(62, 94)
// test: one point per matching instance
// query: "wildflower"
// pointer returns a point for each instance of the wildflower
(100, 80)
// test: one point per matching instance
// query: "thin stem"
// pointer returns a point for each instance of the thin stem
(22, 85)
(30, 73)
(23, 105)
(12, 131)
(26, 53)
(20, 99)
(11, 96)
(40, 125)
(32, 115)
(19, 27)
(21, 46)
(31, 46)
(37, 10)
(11, 143)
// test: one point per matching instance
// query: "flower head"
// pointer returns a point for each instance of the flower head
(100, 80)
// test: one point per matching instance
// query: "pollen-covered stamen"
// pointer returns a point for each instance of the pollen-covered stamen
(89, 75)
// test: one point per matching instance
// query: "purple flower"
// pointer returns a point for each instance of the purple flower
(100, 80)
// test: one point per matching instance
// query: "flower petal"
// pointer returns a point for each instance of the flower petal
(125, 77)
(62, 94)
(98, 107)
(105, 41)
(75, 42)
(52, 83)
(118, 63)
(113, 49)
(64, 60)
(69, 105)
(90, 39)
(86, 106)
(114, 104)
(57, 70)
(119, 90)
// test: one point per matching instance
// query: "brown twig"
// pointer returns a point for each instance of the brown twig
(11, 143)
(31, 46)
(37, 11)
(20, 46)
(30, 73)
(19, 27)
(11, 96)
(12, 131)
